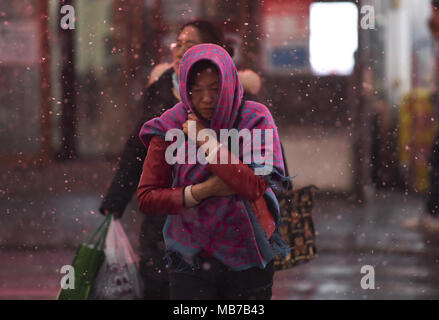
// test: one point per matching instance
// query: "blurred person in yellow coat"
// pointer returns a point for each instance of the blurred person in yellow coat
(429, 219)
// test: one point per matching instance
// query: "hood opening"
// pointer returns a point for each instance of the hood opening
(230, 89)
(197, 68)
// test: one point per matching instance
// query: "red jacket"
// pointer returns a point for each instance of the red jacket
(156, 197)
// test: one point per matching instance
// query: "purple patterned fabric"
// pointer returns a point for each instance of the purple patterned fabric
(221, 226)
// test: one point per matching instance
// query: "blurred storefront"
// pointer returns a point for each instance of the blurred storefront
(402, 55)
(23, 113)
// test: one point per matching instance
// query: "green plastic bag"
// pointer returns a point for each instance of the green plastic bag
(87, 262)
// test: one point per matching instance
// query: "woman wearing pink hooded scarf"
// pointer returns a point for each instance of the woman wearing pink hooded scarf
(221, 232)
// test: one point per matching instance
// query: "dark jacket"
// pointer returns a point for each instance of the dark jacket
(158, 98)
(433, 193)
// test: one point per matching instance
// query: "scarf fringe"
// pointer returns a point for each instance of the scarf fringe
(278, 245)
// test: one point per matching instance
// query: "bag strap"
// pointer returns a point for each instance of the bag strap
(102, 230)
(102, 239)
(285, 160)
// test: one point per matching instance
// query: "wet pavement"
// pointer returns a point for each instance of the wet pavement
(406, 262)
(43, 218)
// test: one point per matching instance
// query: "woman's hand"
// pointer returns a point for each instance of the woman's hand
(115, 214)
(198, 126)
(212, 187)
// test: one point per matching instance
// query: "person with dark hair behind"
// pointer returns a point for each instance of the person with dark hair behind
(160, 95)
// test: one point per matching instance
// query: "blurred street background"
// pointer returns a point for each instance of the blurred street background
(351, 85)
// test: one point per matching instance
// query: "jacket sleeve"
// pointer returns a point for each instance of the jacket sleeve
(129, 168)
(239, 177)
(154, 195)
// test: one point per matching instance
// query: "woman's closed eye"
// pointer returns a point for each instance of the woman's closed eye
(198, 90)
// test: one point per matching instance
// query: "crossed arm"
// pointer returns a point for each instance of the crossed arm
(156, 197)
